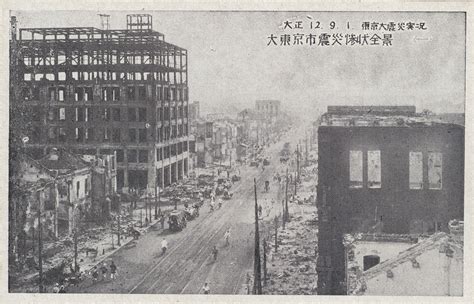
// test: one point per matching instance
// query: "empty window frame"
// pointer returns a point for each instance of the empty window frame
(141, 93)
(131, 93)
(435, 170)
(116, 114)
(142, 114)
(107, 134)
(374, 174)
(355, 169)
(62, 113)
(132, 135)
(132, 156)
(88, 93)
(132, 114)
(142, 156)
(61, 94)
(78, 94)
(415, 178)
(120, 156)
(116, 135)
(89, 134)
(88, 114)
(142, 135)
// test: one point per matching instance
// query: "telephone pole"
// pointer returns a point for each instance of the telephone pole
(286, 215)
(257, 283)
(297, 163)
(156, 202)
(40, 247)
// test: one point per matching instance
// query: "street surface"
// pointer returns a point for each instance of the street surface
(188, 262)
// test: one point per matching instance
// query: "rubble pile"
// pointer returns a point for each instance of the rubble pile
(292, 268)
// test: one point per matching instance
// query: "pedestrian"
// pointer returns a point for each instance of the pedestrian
(62, 289)
(164, 246)
(227, 237)
(56, 288)
(104, 271)
(162, 221)
(113, 270)
(206, 289)
(95, 274)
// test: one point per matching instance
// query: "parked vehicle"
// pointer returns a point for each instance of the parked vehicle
(235, 178)
(177, 220)
(228, 195)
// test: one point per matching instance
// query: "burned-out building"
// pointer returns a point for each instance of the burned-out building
(106, 91)
(383, 170)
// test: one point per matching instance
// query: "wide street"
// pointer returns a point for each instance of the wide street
(188, 263)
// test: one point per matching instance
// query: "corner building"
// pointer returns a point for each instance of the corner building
(102, 91)
(383, 170)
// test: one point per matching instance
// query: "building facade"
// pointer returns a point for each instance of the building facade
(102, 91)
(384, 173)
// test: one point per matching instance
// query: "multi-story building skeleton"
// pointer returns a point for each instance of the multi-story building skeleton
(103, 91)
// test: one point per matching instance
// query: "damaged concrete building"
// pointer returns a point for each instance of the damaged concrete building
(106, 91)
(383, 170)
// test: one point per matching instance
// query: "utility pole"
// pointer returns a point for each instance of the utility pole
(141, 217)
(40, 246)
(286, 215)
(306, 146)
(257, 283)
(264, 262)
(297, 163)
(283, 214)
(149, 204)
(146, 207)
(118, 222)
(276, 233)
(75, 249)
(295, 184)
(156, 202)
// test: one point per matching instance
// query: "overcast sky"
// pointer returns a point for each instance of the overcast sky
(231, 64)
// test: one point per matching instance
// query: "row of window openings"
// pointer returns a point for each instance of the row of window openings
(374, 178)
(109, 93)
(115, 134)
(168, 78)
(104, 57)
(85, 114)
(161, 154)
(87, 134)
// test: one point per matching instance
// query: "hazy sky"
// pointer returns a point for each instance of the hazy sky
(231, 64)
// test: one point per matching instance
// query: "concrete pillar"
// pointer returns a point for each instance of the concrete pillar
(125, 188)
(151, 166)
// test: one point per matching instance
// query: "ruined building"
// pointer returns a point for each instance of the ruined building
(383, 170)
(106, 91)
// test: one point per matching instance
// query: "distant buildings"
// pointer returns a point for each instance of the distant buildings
(383, 170)
(270, 109)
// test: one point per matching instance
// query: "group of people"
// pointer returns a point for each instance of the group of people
(212, 203)
(103, 272)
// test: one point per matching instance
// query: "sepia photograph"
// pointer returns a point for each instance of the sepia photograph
(233, 152)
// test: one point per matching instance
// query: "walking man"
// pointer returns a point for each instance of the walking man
(206, 289)
(113, 271)
(226, 237)
(104, 271)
